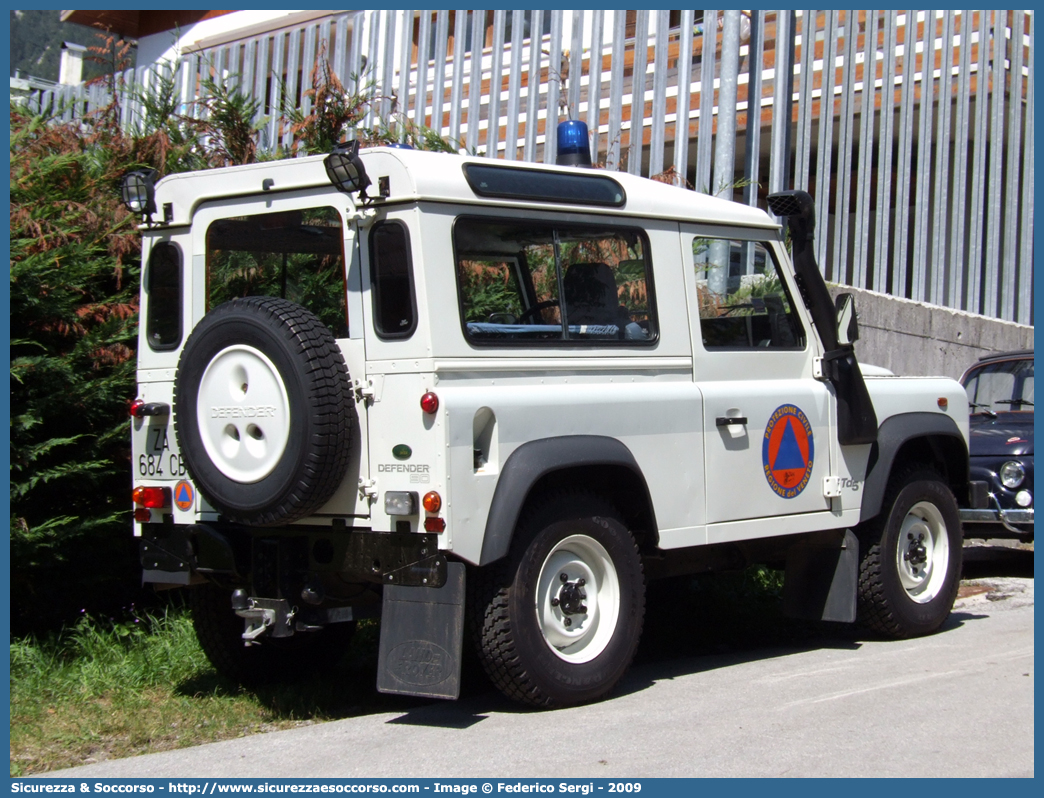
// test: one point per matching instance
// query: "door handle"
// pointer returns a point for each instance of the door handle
(728, 421)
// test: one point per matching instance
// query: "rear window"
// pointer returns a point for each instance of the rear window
(297, 255)
(391, 277)
(163, 288)
(531, 281)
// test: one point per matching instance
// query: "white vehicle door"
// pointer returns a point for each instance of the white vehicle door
(288, 246)
(767, 422)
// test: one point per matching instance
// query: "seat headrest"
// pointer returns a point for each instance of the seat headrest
(590, 293)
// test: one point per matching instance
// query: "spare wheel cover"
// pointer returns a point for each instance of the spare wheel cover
(244, 413)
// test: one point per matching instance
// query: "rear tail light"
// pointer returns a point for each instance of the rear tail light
(433, 503)
(139, 408)
(142, 516)
(155, 498)
(429, 403)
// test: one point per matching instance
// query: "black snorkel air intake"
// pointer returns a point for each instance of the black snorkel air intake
(856, 419)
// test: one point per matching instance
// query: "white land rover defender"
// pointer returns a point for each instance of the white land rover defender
(463, 393)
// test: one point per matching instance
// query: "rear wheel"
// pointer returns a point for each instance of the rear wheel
(910, 557)
(557, 623)
(220, 634)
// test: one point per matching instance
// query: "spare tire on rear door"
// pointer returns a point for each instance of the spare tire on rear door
(262, 410)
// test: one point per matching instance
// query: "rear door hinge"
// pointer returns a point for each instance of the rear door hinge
(368, 489)
(364, 391)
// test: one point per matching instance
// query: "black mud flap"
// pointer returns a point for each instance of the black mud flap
(166, 556)
(821, 580)
(422, 631)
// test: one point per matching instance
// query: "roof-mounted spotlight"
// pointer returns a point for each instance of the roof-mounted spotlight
(574, 147)
(345, 168)
(138, 191)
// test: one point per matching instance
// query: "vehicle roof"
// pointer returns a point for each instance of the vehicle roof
(415, 175)
(1017, 353)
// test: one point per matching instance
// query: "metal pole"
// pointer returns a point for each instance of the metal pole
(594, 82)
(681, 124)
(725, 141)
(756, 64)
(705, 135)
(616, 76)
(1025, 274)
(783, 97)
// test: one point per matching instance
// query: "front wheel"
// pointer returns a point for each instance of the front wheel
(558, 622)
(910, 558)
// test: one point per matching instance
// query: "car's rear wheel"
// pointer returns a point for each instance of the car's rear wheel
(557, 623)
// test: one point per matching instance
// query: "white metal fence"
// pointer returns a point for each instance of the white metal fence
(912, 129)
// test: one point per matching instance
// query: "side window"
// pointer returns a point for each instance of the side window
(743, 300)
(296, 255)
(391, 278)
(538, 281)
(163, 287)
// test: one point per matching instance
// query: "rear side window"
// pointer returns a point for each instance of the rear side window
(163, 287)
(532, 281)
(391, 278)
(297, 255)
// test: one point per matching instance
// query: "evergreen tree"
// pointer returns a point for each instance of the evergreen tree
(73, 323)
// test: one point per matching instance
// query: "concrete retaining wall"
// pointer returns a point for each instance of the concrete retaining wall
(914, 338)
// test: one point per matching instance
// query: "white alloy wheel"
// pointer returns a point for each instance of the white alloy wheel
(243, 413)
(923, 552)
(578, 599)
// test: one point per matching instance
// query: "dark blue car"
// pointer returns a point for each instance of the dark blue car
(1000, 392)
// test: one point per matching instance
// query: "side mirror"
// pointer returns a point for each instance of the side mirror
(847, 323)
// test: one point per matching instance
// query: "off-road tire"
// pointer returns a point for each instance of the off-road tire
(503, 604)
(300, 361)
(885, 605)
(273, 660)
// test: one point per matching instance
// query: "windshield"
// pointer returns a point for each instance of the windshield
(1003, 385)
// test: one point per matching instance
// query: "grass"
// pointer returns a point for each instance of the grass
(102, 690)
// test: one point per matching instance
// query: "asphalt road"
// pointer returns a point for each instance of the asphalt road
(957, 703)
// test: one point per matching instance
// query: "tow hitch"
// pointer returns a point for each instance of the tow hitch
(274, 616)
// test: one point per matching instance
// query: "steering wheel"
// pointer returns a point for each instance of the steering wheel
(539, 306)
